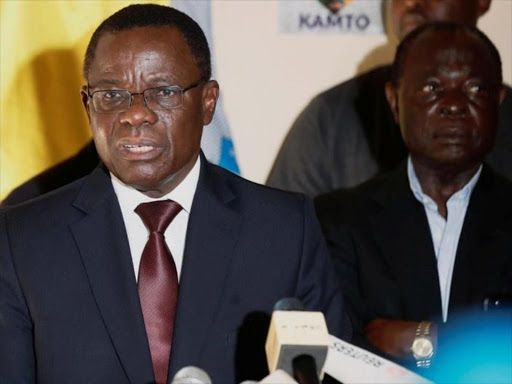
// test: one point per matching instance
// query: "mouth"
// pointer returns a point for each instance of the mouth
(140, 149)
(451, 138)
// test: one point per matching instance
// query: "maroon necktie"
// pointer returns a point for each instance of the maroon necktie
(158, 283)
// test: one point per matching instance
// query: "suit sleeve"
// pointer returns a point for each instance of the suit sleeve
(318, 287)
(17, 362)
(302, 164)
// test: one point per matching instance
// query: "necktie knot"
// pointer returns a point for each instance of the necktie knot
(157, 215)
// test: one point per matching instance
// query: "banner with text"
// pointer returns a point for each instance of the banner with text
(331, 16)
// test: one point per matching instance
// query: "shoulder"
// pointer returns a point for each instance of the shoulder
(46, 211)
(356, 204)
(65, 172)
(332, 107)
(493, 183)
(373, 81)
(343, 104)
(268, 212)
(255, 195)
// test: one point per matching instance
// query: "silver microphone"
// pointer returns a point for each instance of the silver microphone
(191, 375)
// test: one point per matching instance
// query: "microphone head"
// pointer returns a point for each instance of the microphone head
(289, 304)
(278, 377)
(295, 333)
(191, 375)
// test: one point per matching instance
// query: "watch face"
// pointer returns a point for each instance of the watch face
(422, 347)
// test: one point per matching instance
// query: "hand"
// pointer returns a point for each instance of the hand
(395, 337)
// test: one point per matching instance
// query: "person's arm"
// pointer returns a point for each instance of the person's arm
(317, 286)
(395, 337)
(302, 164)
(17, 360)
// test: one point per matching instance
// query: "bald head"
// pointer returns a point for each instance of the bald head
(437, 31)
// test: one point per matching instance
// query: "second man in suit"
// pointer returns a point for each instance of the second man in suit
(432, 237)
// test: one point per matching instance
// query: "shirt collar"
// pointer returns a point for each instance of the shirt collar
(462, 194)
(183, 194)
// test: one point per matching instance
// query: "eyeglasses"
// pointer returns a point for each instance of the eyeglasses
(120, 100)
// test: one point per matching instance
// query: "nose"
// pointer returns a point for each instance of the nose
(138, 113)
(453, 104)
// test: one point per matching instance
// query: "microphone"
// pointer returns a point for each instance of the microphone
(297, 341)
(289, 304)
(191, 375)
(278, 377)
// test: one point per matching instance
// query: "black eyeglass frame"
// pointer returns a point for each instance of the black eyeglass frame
(176, 87)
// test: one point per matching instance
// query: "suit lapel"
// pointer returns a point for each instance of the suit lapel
(103, 245)
(212, 233)
(403, 233)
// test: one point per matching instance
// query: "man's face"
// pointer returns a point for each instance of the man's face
(151, 150)
(447, 101)
(406, 15)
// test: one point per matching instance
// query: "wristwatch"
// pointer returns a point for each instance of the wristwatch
(422, 346)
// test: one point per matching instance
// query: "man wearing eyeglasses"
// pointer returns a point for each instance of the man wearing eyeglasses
(157, 259)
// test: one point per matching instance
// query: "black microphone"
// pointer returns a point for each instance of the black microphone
(191, 375)
(289, 304)
(297, 341)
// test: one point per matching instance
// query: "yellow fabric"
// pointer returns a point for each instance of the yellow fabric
(42, 44)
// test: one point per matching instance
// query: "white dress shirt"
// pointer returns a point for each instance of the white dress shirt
(445, 232)
(129, 198)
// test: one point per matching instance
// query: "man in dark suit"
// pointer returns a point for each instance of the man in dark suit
(88, 281)
(432, 237)
(347, 134)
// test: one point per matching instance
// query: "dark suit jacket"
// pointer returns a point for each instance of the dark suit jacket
(347, 135)
(69, 307)
(380, 240)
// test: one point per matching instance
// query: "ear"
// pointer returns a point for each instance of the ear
(482, 6)
(210, 97)
(392, 97)
(84, 95)
(503, 93)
